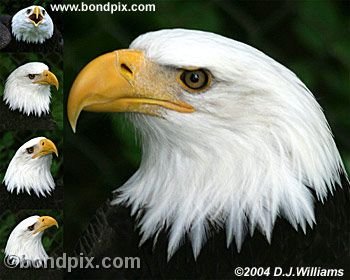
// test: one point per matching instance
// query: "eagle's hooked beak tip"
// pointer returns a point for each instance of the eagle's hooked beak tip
(85, 91)
(73, 116)
(48, 78)
(45, 222)
(46, 146)
(108, 83)
(73, 126)
(57, 86)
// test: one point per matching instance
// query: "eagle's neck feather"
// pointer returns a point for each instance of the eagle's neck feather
(255, 147)
(187, 181)
(26, 248)
(35, 176)
(30, 99)
(28, 33)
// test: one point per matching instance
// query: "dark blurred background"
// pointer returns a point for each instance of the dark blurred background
(309, 37)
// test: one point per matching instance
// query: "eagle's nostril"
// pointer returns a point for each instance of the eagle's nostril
(126, 68)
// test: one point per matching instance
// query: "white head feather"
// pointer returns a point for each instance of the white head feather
(28, 174)
(24, 244)
(23, 92)
(253, 150)
(32, 25)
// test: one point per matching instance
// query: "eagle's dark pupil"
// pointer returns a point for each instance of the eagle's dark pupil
(31, 76)
(194, 78)
(30, 228)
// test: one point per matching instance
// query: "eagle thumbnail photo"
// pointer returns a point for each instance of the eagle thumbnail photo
(30, 94)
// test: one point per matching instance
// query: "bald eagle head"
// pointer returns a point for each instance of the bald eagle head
(29, 169)
(231, 138)
(32, 25)
(27, 89)
(24, 245)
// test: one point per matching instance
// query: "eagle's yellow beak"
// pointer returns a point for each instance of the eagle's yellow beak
(36, 17)
(44, 223)
(47, 78)
(45, 147)
(111, 83)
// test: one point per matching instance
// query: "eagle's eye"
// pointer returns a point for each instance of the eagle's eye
(28, 11)
(30, 228)
(195, 80)
(30, 150)
(31, 76)
(44, 12)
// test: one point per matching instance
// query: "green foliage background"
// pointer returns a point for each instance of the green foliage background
(309, 37)
(52, 239)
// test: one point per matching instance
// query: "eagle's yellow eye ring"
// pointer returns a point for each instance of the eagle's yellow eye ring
(194, 80)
